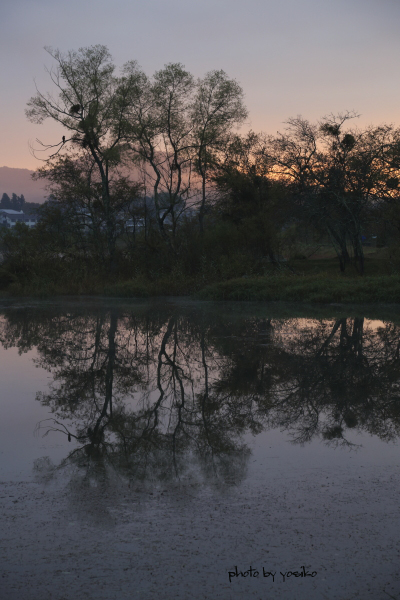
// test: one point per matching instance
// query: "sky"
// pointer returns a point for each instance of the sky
(292, 57)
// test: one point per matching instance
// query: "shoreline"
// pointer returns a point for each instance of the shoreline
(299, 289)
(252, 308)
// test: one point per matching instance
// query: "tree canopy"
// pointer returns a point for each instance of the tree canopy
(153, 178)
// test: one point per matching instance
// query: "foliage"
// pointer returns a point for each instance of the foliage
(315, 288)
(151, 191)
(339, 175)
(14, 203)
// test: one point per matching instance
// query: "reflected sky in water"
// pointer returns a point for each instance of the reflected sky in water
(167, 391)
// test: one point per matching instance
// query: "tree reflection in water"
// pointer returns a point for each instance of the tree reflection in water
(161, 393)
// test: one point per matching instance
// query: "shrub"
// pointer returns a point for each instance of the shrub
(6, 278)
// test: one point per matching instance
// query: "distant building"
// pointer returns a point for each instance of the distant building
(9, 218)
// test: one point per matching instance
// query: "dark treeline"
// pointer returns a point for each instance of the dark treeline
(151, 180)
(13, 203)
(18, 203)
(159, 393)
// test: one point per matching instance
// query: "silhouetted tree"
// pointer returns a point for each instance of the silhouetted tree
(91, 106)
(5, 201)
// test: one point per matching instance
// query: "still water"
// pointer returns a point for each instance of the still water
(174, 449)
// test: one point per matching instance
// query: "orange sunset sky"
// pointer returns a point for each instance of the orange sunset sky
(311, 57)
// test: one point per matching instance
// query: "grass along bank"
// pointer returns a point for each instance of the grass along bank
(303, 281)
(307, 288)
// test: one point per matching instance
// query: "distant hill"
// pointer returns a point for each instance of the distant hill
(19, 181)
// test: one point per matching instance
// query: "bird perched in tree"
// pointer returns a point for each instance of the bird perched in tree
(63, 139)
(76, 108)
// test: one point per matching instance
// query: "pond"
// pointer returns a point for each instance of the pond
(174, 449)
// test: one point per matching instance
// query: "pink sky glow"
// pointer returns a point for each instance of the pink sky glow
(311, 58)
